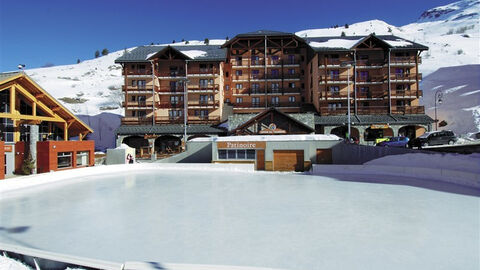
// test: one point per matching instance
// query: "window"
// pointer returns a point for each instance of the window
(238, 72)
(239, 100)
(134, 83)
(227, 100)
(334, 74)
(141, 84)
(203, 99)
(364, 75)
(203, 82)
(291, 85)
(142, 114)
(173, 100)
(248, 154)
(275, 59)
(291, 71)
(239, 86)
(255, 60)
(275, 101)
(64, 160)
(275, 87)
(227, 87)
(239, 60)
(291, 59)
(82, 158)
(275, 73)
(134, 98)
(255, 88)
(255, 101)
(334, 106)
(334, 90)
(291, 99)
(174, 114)
(255, 74)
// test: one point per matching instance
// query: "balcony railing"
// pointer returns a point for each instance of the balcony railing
(132, 120)
(141, 104)
(261, 104)
(165, 105)
(203, 103)
(363, 110)
(170, 74)
(404, 60)
(407, 93)
(202, 71)
(406, 77)
(371, 78)
(137, 72)
(408, 110)
(190, 119)
(202, 87)
(335, 78)
(178, 90)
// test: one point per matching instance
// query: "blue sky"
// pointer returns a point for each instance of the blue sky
(35, 32)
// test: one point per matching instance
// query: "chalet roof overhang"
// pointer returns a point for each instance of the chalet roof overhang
(268, 112)
(165, 50)
(262, 34)
(168, 129)
(33, 92)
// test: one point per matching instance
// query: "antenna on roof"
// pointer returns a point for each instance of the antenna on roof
(21, 67)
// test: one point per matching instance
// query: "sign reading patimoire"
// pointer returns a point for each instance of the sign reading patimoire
(241, 145)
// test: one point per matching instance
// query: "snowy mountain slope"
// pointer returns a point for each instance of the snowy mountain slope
(452, 33)
(460, 106)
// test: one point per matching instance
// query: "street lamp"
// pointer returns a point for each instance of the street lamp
(439, 99)
(348, 65)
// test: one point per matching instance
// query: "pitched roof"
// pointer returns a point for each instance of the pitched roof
(268, 111)
(347, 43)
(76, 127)
(264, 33)
(200, 53)
(177, 129)
(397, 119)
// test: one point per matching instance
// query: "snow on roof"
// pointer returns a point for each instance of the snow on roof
(150, 55)
(194, 53)
(270, 138)
(335, 43)
(398, 43)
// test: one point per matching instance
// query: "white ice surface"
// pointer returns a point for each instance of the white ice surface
(256, 138)
(277, 220)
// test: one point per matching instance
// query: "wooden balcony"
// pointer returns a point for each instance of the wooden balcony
(405, 77)
(335, 79)
(371, 79)
(406, 93)
(371, 110)
(203, 103)
(261, 104)
(137, 72)
(203, 88)
(199, 119)
(131, 120)
(136, 90)
(138, 104)
(173, 75)
(170, 90)
(203, 71)
(408, 110)
(203, 119)
(406, 60)
(170, 105)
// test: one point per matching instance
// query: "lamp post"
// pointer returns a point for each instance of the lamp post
(348, 65)
(439, 99)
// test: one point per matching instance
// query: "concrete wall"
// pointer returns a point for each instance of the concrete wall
(119, 155)
(197, 152)
(344, 153)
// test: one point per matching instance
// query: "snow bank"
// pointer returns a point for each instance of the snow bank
(455, 162)
(335, 43)
(11, 264)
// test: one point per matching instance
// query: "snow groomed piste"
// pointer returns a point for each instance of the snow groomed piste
(224, 215)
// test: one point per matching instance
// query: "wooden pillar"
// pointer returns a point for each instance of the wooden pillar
(65, 131)
(12, 100)
(34, 109)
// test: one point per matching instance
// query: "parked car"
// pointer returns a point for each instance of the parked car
(433, 138)
(395, 142)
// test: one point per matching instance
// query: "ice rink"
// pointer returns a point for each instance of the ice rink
(277, 220)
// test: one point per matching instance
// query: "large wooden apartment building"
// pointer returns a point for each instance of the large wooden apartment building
(213, 87)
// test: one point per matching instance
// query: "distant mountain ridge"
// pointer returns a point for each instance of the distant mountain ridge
(452, 33)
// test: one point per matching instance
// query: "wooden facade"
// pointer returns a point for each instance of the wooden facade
(2, 160)
(25, 109)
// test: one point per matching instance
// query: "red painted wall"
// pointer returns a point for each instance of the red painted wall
(47, 152)
(19, 156)
(2, 161)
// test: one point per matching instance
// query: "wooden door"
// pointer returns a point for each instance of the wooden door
(260, 160)
(288, 160)
(324, 156)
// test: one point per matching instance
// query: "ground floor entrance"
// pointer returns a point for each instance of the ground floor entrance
(288, 160)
